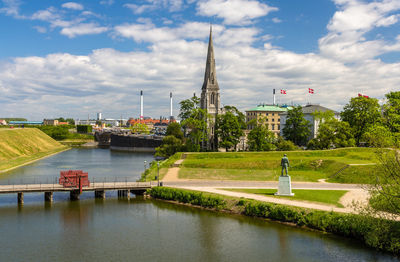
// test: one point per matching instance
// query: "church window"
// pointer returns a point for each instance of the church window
(212, 78)
(212, 98)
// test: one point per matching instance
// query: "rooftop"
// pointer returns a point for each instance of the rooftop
(308, 109)
(270, 108)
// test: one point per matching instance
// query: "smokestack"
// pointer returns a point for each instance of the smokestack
(141, 104)
(171, 116)
(274, 97)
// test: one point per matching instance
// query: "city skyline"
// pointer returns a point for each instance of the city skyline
(71, 59)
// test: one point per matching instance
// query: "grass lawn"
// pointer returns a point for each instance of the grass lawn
(330, 197)
(304, 165)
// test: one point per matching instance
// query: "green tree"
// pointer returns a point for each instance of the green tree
(70, 121)
(332, 133)
(391, 114)
(260, 138)
(187, 107)
(297, 128)
(361, 113)
(170, 146)
(174, 129)
(196, 125)
(285, 145)
(385, 193)
(229, 127)
(378, 135)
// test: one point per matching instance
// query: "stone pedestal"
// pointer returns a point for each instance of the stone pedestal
(100, 194)
(284, 187)
(74, 195)
(21, 198)
(124, 194)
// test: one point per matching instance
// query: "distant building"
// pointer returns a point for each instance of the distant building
(269, 115)
(3, 122)
(308, 111)
(50, 122)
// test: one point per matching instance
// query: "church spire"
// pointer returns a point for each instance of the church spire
(210, 76)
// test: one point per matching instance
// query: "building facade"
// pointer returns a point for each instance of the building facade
(210, 97)
(268, 115)
(308, 112)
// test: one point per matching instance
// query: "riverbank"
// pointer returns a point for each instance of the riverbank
(19, 147)
(377, 233)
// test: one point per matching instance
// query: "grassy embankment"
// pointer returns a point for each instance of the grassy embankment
(21, 146)
(330, 197)
(151, 172)
(265, 166)
(377, 233)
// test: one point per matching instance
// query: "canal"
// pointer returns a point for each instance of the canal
(145, 230)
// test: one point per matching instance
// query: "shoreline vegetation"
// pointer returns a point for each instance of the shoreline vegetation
(19, 147)
(377, 233)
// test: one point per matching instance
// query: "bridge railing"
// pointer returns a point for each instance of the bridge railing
(52, 181)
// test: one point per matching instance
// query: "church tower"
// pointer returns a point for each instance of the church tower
(210, 98)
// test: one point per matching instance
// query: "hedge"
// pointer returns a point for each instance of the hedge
(374, 232)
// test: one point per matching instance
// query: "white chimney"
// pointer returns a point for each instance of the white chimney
(141, 104)
(170, 101)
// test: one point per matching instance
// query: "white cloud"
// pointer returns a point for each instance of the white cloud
(83, 29)
(107, 2)
(11, 8)
(346, 39)
(171, 5)
(236, 12)
(40, 29)
(73, 6)
(276, 20)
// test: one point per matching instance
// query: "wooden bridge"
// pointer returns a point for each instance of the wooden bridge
(99, 188)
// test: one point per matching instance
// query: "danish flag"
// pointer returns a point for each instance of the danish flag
(311, 91)
(283, 92)
(363, 95)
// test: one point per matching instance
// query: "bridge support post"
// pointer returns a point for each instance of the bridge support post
(124, 194)
(20, 198)
(48, 196)
(74, 194)
(100, 194)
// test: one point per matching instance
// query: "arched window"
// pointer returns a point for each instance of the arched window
(212, 78)
(212, 98)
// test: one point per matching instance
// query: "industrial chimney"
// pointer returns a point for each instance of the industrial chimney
(274, 96)
(141, 104)
(171, 116)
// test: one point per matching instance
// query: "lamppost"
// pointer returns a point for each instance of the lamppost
(145, 165)
(158, 173)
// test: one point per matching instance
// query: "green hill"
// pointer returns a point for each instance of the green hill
(346, 165)
(20, 146)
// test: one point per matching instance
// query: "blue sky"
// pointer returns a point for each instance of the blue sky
(64, 58)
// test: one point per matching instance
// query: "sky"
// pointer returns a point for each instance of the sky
(74, 59)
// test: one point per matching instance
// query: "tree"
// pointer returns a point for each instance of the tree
(174, 129)
(378, 135)
(391, 114)
(297, 128)
(229, 127)
(170, 145)
(260, 138)
(187, 107)
(361, 113)
(385, 193)
(70, 121)
(196, 125)
(284, 145)
(332, 133)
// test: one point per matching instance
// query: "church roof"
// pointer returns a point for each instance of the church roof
(269, 108)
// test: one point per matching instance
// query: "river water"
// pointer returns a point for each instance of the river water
(146, 230)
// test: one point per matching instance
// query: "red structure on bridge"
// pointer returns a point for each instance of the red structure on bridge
(74, 179)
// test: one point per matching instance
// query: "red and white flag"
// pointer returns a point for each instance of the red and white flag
(363, 95)
(283, 92)
(311, 91)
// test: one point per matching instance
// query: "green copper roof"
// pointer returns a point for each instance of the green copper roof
(269, 108)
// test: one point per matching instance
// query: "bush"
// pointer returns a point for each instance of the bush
(84, 129)
(377, 233)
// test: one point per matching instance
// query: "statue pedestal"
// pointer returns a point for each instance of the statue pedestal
(284, 187)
